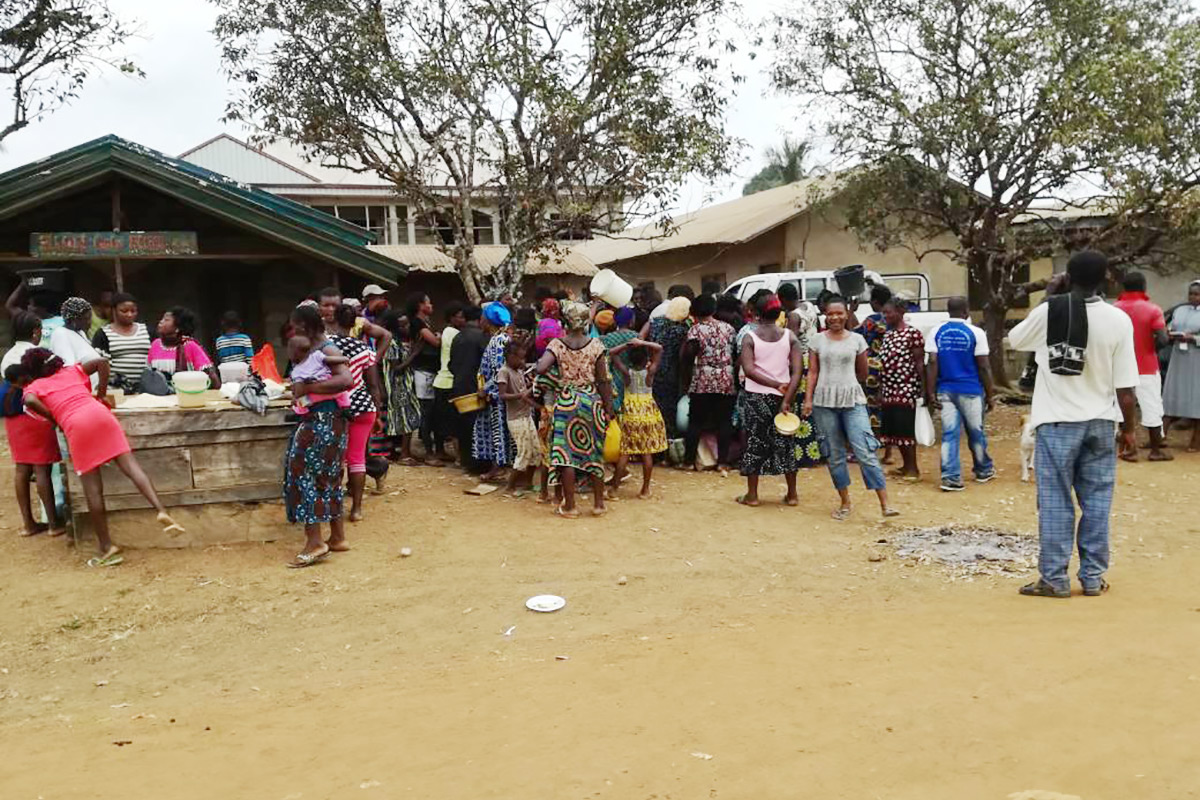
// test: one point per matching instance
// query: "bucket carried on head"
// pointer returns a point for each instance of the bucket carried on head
(611, 288)
(850, 280)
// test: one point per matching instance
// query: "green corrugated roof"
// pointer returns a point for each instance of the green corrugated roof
(274, 217)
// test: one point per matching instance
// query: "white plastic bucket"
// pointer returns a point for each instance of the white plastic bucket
(610, 288)
(234, 372)
(190, 382)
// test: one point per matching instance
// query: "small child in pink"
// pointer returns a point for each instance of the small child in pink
(312, 366)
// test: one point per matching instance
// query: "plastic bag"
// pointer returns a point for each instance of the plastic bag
(612, 442)
(925, 434)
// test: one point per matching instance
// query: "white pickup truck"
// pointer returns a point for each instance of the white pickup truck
(812, 282)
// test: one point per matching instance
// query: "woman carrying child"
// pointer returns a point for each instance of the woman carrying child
(312, 480)
(643, 432)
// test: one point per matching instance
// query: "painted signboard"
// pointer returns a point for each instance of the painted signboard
(107, 244)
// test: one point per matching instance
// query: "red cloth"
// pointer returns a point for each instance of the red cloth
(31, 440)
(94, 436)
(1147, 318)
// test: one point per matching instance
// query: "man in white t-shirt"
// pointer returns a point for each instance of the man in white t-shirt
(1075, 417)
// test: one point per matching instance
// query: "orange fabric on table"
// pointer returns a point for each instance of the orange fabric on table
(94, 436)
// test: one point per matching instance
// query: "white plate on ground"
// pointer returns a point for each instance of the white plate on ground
(545, 602)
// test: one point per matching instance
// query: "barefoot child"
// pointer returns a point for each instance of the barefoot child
(643, 432)
(515, 391)
(34, 449)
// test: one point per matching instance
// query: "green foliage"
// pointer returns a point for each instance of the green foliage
(576, 108)
(785, 164)
(976, 116)
(48, 50)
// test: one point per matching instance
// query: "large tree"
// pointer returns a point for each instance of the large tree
(48, 49)
(973, 117)
(566, 115)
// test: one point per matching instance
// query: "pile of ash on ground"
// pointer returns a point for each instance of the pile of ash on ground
(969, 549)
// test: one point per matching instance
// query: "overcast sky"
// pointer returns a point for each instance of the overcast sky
(182, 98)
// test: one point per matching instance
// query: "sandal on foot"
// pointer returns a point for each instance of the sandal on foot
(841, 514)
(742, 499)
(890, 512)
(303, 560)
(1040, 588)
(1097, 590)
(40, 527)
(169, 525)
(109, 559)
(599, 512)
(562, 512)
(791, 501)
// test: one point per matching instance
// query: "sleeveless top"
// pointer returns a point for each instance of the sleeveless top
(772, 359)
(637, 382)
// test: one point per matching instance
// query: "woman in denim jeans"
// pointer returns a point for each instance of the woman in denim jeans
(835, 399)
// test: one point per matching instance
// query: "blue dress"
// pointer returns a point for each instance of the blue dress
(492, 441)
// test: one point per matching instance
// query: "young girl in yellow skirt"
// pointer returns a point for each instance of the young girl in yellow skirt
(643, 432)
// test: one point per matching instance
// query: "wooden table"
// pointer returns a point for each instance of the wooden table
(219, 454)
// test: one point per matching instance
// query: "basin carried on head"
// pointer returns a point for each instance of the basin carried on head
(611, 288)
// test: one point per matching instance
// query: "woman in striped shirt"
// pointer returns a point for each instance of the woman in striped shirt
(124, 341)
(365, 402)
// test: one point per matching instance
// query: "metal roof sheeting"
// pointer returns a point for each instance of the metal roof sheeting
(293, 224)
(732, 222)
(429, 258)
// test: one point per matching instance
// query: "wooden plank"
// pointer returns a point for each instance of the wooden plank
(205, 437)
(232, 494)
(144, 423)
(218, 466)
(169, 469)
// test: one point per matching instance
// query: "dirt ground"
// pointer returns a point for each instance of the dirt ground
(749, 653)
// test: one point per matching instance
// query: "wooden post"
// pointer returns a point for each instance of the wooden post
(116, 226)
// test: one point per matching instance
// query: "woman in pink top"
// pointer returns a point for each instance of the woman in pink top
(176, 351)
(772, 360)
(94, 437)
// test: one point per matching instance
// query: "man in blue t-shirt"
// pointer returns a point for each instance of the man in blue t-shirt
(958, 368)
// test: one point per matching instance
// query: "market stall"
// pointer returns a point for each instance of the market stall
(218, 455)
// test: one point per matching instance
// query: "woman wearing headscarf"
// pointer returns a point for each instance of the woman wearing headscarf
(1181, 394)
(492, 441)
(670, 331)
(613, 334)
(584, 397)
(61, 394)
(549, 327)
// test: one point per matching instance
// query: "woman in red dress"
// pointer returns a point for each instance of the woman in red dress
(63, 395)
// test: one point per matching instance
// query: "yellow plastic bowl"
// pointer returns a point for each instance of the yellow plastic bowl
(787, 423)
(467, 403)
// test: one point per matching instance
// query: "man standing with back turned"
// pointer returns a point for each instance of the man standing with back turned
(958, 369)
(1087, 374)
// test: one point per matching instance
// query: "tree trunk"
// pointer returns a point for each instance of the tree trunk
(468, 272)
(994, 315)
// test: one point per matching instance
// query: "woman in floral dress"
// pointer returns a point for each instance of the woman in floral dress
(403, 407)
(902, 384)
(492, 441)
(583, 402)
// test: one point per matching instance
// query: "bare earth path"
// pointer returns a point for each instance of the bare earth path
(750, 653)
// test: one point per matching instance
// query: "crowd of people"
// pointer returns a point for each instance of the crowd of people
(539, 395)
